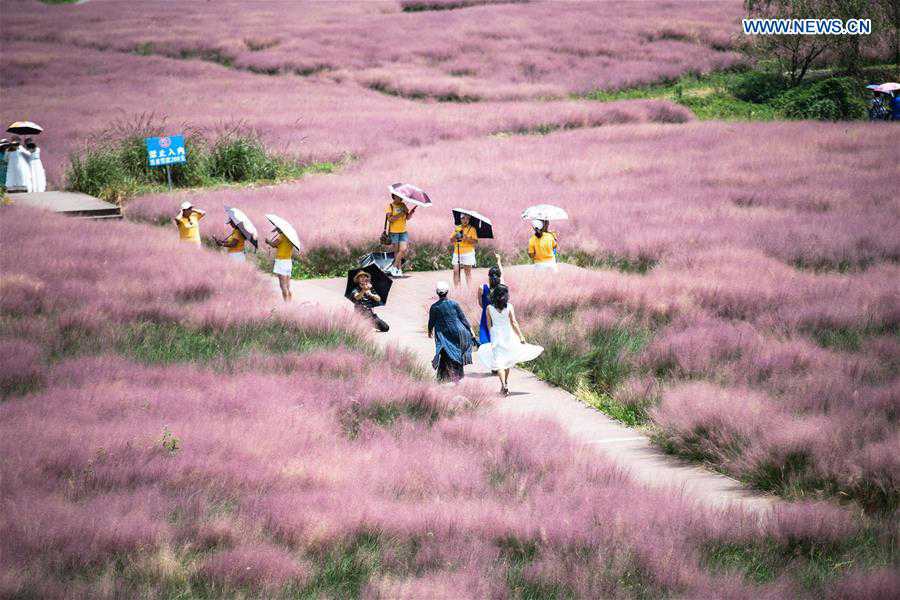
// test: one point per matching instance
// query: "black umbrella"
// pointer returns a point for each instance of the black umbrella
(381, 283)
(24, 128)
(483, 227)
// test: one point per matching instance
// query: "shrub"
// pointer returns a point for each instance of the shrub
(833, 99)
(757, 86)
(114, 167)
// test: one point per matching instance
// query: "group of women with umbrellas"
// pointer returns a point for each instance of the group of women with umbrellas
(21, 169)
(885, 103)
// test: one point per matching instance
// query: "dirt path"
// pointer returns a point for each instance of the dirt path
(407, 315)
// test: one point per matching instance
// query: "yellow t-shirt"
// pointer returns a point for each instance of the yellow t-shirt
(285, 248)
(398, 226)
(236, 235)
(189, 227)
(542, 248)
(465, 246)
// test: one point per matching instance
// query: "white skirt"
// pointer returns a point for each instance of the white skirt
(467, 259)
(503, 357)
(237, 256)
(283, 266)
(547, 265)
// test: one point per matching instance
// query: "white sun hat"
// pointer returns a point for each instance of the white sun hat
(442, 287)
(186, 205)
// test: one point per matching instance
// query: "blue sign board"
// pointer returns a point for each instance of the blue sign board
(166, 150)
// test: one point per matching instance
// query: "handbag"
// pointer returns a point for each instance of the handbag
(385, 236)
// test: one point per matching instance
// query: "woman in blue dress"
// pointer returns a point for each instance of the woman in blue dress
(495, 278)
(452, 336)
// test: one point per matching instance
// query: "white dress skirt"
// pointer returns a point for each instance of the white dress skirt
(38, 175)
(18, 171)
(506, 350)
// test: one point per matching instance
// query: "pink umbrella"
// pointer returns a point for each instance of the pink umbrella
(410, 193)
(888, 87)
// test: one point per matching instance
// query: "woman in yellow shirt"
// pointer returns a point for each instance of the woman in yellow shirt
(234, 242)
(464, 239)
(188, 223)
(284, 265)
(542, 247)
(396, 216)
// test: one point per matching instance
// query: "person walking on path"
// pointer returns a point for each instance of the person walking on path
(235, 243)
(506, 336)
(396, 216)
(464, 239)
(38, 175)
(542, 247)
(18, 169)
(284, 263)
(4, 161)
(188, 222)
(495, 278)
(365, 299)
(452, 336)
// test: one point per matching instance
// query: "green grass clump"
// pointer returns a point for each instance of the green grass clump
(755, 95)
(814, 566)
(114, 168)
(167, 343)
(593, 376)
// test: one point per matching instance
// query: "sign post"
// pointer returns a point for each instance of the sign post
(166, 151)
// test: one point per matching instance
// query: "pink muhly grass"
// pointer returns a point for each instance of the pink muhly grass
(807, 524)
(20, 366)
(864, 584)
(253, 565)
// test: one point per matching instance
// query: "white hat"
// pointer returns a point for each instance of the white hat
(186, 205)
(442, 287)
(537, 223)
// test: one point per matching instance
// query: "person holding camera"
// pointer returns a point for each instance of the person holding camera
(365, 299)
(464, 238)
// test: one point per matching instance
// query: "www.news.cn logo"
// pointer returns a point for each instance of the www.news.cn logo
(806, 26)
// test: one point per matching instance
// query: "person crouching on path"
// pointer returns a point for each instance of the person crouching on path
(542, 247)
(284, 263)
(452, 336)
(464, 239)
(396, 216)
(365, 300)
(506, 336)
(234, 242)
(188, 222)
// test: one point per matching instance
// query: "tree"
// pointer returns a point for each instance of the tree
(794, 54)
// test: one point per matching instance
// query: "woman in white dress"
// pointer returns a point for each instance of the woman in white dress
(506, 337)
(18, 170)
(38, 175)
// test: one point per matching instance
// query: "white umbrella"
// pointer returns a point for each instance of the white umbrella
(286, 229)
(888, 87)
(244, 224)
(545, 212)
(24, 128)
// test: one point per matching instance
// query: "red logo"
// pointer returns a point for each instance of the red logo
(164, 142)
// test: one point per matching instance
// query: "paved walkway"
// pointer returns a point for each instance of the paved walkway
(74, 204)
(407, 314)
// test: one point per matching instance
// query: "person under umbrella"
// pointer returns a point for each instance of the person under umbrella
(234, 242)
(188, 222)
(38, 174)
(396, 216)
(18, 169)
(464, 240)
(284, 239)
(452, 336)
(542, 247)
(365, 297)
